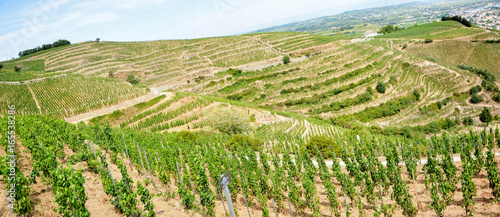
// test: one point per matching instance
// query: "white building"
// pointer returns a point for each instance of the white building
(370, 33)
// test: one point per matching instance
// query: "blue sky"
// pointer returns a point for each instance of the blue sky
(27, 24)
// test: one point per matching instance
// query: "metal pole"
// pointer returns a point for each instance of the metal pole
(290, 207)
(149, 168)
(140, 156)
(8, 206)
(229, 202)
(192, 188)
(274, 207)
(178, 171)
(126, 151)
(222, 199)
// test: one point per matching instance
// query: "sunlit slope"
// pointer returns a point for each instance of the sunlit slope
(436, 31)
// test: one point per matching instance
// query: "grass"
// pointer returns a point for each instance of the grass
(144, 105)
(455, 52)
(429, 30)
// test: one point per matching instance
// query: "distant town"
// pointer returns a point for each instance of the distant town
(487, 17)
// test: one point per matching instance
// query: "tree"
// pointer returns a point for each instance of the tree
(485, 116)
(286, 59)
(17, 69)
(380, 87)
(132, 79)
(97, 40)
(229, 120)
(388, 29)
(1, 66)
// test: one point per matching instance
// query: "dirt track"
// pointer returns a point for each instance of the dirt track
(123, 105)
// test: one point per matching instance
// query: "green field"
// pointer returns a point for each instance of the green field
(435, 30)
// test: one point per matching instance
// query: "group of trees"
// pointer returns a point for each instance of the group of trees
(488, 83)
(389, 29)
(58, 43)
(459, 19)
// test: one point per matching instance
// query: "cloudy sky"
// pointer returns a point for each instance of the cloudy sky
(27, 24)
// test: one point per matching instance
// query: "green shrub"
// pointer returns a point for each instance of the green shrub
(211, 84)
(17, 69)
(468, 121)
(475, 99)
(187, 135)
(243, 141)
(286, 59)
(475, 90)
(428, 40)
(132, 79)
(496, 97)
(381, 87)
(324, 144)
(252, 118)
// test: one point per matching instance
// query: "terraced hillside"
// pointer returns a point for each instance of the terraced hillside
(92, 71)
(330, 80)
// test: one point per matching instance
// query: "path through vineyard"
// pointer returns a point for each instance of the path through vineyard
(120, 106)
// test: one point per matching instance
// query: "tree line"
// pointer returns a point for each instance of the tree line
(58, 43)
(459, 19)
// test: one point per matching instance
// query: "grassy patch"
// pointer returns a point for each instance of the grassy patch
(147, 104)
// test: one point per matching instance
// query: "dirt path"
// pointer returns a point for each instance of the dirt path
(123, 105)
(32, 80)
(269, 46)
(34, 98)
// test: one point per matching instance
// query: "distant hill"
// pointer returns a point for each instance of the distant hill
(404, 15)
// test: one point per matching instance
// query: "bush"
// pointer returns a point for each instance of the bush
(485, 116)
(307, 54)
(244, 141)
(132, 79)
(380, 87)
(416, 94)
(496, 97)
(468, 121)
(324, 144)
(475, 90)
(17, 69)
(1, 66)
(475, 99)
(405, 46)
(228, 120)
(187, 135)
(428, 40)
(286, 59)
